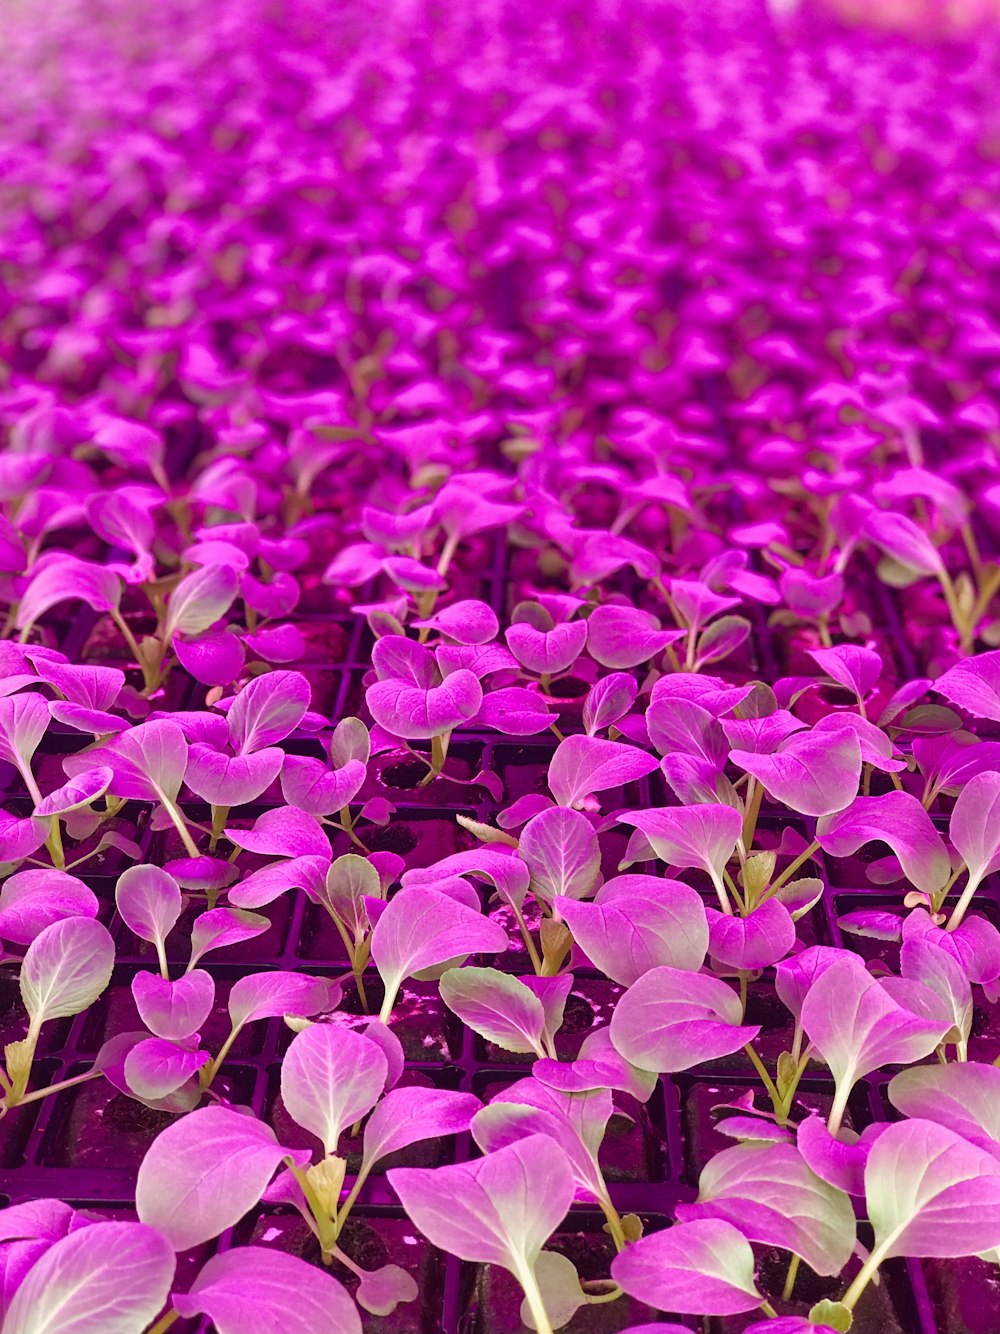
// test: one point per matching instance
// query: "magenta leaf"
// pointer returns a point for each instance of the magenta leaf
(498, 1007)
(252, 1287)
(77, 792)
(215, 657)
(672, 1019)
(203, 1173)
(973, 826)
(66, 578)
(23, 722)
(608, 700)
(221, 927)
(547, 652)
(974, 684)
(515, 711)
(700, 1268)
(200, 599)
(407, 1115)
(748, 943)
(148, 761)
(149, 901)
(562, 853)
(703, 835)
(839, 1160)
(283, 832)
(330, 1078)
(583, 765)
(856, 1026)
(774, 1198)
(270, 882)
(930, 1192)
(417, 711)
(273, 994)
(231, 780)
(467, 622)
(962, 1095)
(639, 922)
(898, 819)
(108, 1278)
(491, 1211)
(814, 773)
(626, 636)
(174, 1009)
(855, 668)
(65, 968)
(32, 900)
(422, 928)
(308, 784)
(267, 710)
(155, 1068)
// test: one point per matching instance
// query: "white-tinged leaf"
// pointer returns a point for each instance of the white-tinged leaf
(65, 968)
(330, 1078)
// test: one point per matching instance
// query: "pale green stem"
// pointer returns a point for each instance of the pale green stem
(962, 906)
(866, 1273)
(720, 890)
(768, 1082)
(526, 1277)
(790, 1277)
(790, 870)
(164, 1323)
(839, 1108)
(37, 1094)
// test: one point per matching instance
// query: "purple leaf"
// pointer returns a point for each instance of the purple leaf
(562, 853)
(931, 1193)
(254, 1287)
(900, 538)
(626, 636)
(923, 960)
(814, 773)
(23, 722)
(66, 578)
(491, 1211)
(793, 977)
(77, 792)
(330, 1078)
(231, 780)
(963, 1095)
(407, 1115)
(174, 1010)
(974, 684)
(748, 943)
(108, 1278)
(608, 700)
(148, 762)
(583, 765)
(699, 1268)
(156, 1068)
(856, 669)
(467, 622)
(283, 832)
(877, 924)
(498, 1007)
(515, 711)
(215, 657)
(273, 994)
(270, 882)
(856, 1026)
(203, 1173)
(308, 784)
(841, 1160)
(547, 652)
(417, 712)
(773, 1197)
(199, 600)
(32, 900)
(974, 825)
(65, 968)
(267, 710)
(671, 1020)
(422, 928)
(639, 922)
(703, 835)
(221, 927)
(149, 901)
(21, 837)
(898, 819)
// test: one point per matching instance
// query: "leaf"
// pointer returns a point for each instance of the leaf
(410, 1114)
(156, 1068)
(421, 928)
(626, 636)
(562, 1295)
(108, 1278)
(974, 685)
(974, 825)
(963, 1095)
(77, 792)
(221, 927)
(199, 600)
(149, 902)
(273, 994)
(254, 1287)
(491, 1210)
(562, 853)
(515, 711)
(898, 819)
(203, 1173)
(773, 1197)
(283, 832)
(330, 1078)
(814, 773)
(148, 761)
(547, 652)
(416, 712)
(468, 621)
(66, 578)
(699, 1268)
(267, 710)
(756, 941)
(497, 1006)
(670, 1020)
(931, 1193)
(855, 668)
(583, 765)
(381, 1290)
(65, 968)
(856, 1026)
(608, 700)
(174, 1009)
(23, 722)
(639, 922)
(32, 900)
(702, 835)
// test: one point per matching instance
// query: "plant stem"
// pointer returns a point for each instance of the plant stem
(529, 944)
(615, 1225)
(769, 1310)
(526, 1277)
(793, 1269)
(151, 678)
(37, 1094)
(839, 1108)
(720, 890)
(178, 822)
(758, 1065)
(790, 870)
(866, 1274)
(962, 906)
(164, 1323)
(754, 796)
